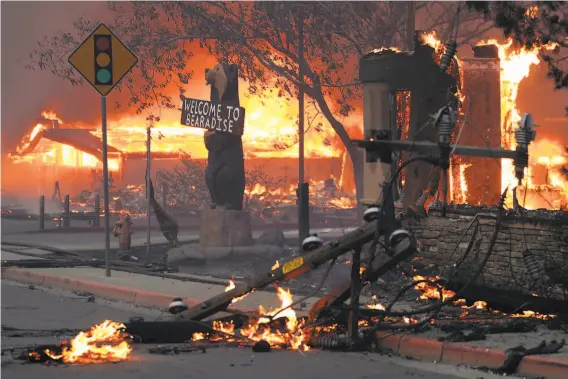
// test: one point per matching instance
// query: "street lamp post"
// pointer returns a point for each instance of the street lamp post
(303, 189)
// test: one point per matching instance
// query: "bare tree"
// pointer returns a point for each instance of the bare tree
(186, 183)
(262, 37)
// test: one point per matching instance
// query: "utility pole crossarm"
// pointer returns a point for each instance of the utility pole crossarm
(433, 148)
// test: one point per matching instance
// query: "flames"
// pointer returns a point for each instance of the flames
(104, 342)
(515, 66)
(545, 155)
(270, 131)
(291, 336)
(231, 286)
(430, 292)
(49, 153)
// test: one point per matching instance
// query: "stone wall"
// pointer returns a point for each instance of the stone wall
(439, 240)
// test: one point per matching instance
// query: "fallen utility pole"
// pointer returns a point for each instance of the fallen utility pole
(310, 260)
(378, 268)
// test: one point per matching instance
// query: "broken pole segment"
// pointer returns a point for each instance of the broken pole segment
(302, 264)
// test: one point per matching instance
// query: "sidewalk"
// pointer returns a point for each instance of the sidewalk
(143, 290)
(156, 292)
(95, 241)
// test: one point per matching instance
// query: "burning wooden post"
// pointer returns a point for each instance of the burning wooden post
(41, 212)
(482, 90)
(66, 213)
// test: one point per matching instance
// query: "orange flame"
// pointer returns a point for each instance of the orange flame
(270, 131)
(429, 291)
(258, 329)
(104, 342)
(516, 64)
(229, 287)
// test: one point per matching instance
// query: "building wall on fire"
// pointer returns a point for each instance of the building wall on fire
(480, 176)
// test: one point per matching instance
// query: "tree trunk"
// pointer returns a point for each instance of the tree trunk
(355, 154)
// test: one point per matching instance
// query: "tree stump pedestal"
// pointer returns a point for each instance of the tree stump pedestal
(225, 228)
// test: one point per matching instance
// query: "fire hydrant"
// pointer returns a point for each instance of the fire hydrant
(122, 231)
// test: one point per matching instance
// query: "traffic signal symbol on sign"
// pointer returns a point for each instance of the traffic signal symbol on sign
(103, 59)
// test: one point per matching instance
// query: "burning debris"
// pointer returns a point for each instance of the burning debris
(279, 328)
(102, 343)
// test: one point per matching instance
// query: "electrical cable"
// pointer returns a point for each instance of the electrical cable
(450, 300)
(469, 246)
(387, 195)
(436, 308)
(40, 247)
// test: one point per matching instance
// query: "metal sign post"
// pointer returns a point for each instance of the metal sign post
(303, 191)
(103, 60)
(105, 185)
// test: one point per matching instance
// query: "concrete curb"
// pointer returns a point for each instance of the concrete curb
(106, 291)
(549, 367)
(139, 242)
(419, 348)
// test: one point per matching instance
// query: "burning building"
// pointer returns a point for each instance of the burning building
(489, 90)
(70, 154)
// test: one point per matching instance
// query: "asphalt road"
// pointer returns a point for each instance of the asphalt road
(36, 308)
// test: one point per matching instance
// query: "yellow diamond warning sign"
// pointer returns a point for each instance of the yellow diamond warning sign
(102, 59)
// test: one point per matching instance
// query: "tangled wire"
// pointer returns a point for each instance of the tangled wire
(430, 311)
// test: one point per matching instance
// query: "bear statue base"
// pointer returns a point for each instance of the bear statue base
(225, 228)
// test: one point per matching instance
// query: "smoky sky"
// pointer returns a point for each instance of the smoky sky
(25, 93)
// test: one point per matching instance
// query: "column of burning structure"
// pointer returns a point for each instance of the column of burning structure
(496, 71)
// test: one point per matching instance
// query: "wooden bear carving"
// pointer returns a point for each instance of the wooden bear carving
(225, 172)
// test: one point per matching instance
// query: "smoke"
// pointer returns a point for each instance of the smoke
(25, 93)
